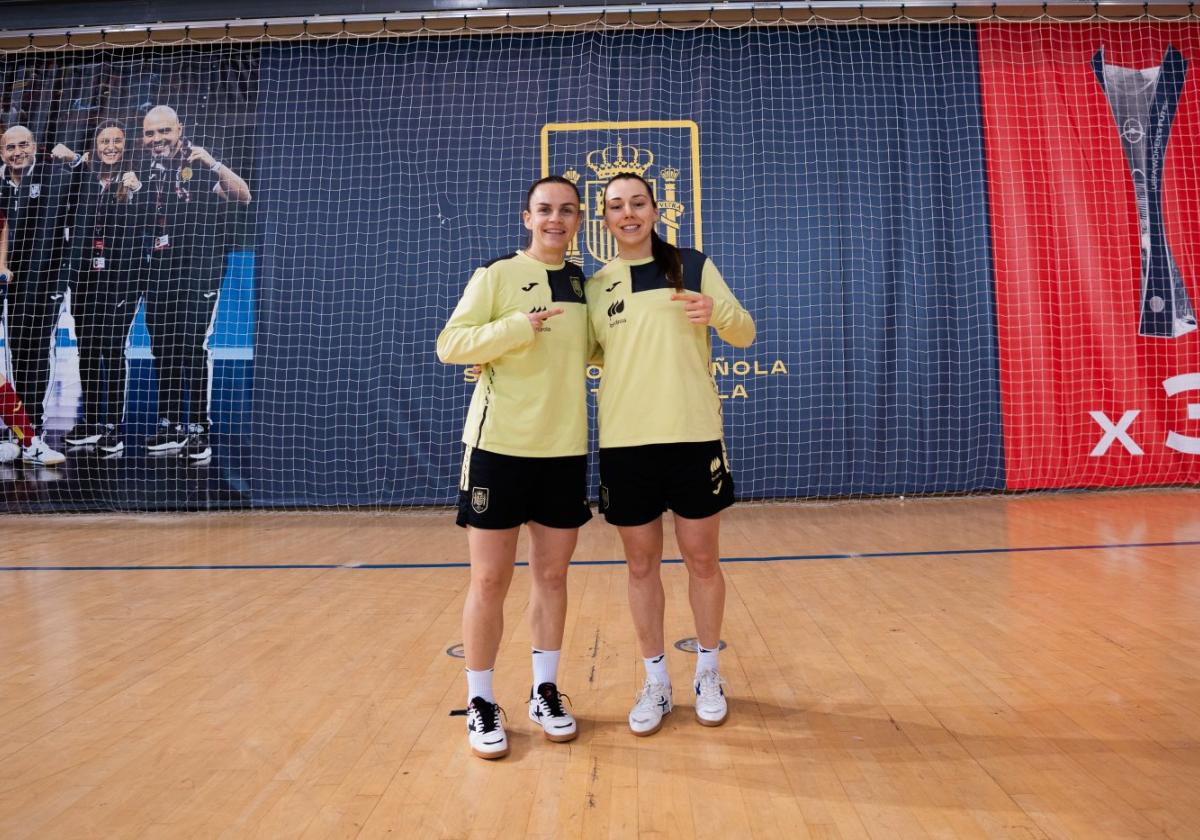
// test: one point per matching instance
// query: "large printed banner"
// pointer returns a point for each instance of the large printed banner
(1092, 137)
(834, 175)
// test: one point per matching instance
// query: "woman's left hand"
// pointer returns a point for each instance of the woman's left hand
(698, 307)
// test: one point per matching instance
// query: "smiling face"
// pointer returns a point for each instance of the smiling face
(110, 146)
(17, 149)
(630, 214)
(161, 133)
(552, 219)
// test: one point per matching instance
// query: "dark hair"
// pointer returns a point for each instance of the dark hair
(666, 256)
(108, 124)
(549, 179)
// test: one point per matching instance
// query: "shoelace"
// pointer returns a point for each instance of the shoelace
(553, 698)
(488, 722)
(651, 694)
(709, 684)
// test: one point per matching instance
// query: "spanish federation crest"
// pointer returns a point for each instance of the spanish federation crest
(479, 499)
(35, 190)
(666, 153)
(577, 287)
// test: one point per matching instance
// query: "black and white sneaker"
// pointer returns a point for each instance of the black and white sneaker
(170, 437)
(485, 732)
(546, 709)
(197, 449)
(111, 442)
(37, 452)
(83, 434)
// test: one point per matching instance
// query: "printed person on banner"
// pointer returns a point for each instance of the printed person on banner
(102, 270)
(187, 193)
(36, 201)
(524, 317)
(12, 411)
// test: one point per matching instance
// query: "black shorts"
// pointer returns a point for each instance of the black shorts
(638, 483)
(503, 491)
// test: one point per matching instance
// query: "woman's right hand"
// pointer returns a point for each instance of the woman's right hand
(538, 318)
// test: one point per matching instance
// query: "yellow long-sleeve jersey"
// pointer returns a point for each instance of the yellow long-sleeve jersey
(658, 385)
(530, 400)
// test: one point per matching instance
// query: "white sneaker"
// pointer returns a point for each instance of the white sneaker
(711, 707)
(654, 701)
(9, 451)
(38, 452)
(485, 732)
(546, 709)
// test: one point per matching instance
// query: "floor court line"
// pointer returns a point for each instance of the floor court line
(777, 558)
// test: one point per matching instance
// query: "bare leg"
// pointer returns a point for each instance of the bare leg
(699, 542)
(647, 600)
(493, 555)
(550, 553)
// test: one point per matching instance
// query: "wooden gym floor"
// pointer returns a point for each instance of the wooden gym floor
(1019, 667)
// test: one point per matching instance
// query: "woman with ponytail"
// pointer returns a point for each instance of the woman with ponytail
(661, 437)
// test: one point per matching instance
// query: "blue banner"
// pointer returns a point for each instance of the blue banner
(835, 175)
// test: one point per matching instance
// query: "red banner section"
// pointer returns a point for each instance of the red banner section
(1099, 366)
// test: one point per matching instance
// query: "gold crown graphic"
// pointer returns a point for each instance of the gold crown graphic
(618, 159)
(571, 175)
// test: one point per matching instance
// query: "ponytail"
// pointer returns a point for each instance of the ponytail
(668, 259)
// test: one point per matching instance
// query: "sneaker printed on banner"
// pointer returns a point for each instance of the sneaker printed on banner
(169, 437)
(37, 452)
(197, 449)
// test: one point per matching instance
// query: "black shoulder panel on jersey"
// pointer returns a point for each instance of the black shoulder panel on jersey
(647, 277)
(499, 259)
(566, 284)
(693, 268)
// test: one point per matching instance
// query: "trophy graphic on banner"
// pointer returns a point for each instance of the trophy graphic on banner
(1143, 102)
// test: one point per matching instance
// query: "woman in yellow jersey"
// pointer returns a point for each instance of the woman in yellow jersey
(523, 318)
(661, 436)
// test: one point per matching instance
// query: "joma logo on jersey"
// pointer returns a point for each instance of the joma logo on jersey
(666, 153)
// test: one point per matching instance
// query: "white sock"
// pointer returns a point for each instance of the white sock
(706, 660)
(545, 667)
(656, 669)
(479, 684)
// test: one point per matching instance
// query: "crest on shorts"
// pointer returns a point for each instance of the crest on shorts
(479, 499)
(603, 497)
(664, 152)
